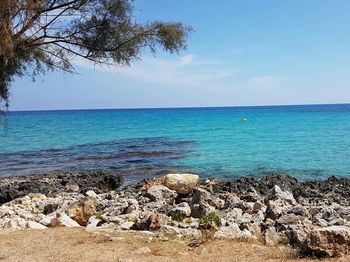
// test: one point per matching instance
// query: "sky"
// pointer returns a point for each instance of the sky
(241, 53)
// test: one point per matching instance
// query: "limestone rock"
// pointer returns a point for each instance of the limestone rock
(82, 210)
(158, 220)
(276, 193)
(200, 210)
(329, 241)
(181, 183)
(72, 188)
(62, 219)
(161, 193)
(35, 225)
(181, 210)
(271, 236)
(234, 232)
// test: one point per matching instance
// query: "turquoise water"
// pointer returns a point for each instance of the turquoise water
(304, 141)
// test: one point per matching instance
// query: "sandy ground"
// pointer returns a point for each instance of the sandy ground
(64, 244)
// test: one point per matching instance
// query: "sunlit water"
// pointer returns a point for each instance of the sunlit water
(304, 141)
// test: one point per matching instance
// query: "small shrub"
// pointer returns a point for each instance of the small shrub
(209, 224)
(132, 219)
(187, 220)
(98, 215)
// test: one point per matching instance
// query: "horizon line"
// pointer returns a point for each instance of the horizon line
(180, 107)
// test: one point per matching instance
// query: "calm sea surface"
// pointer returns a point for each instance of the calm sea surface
(304, 141)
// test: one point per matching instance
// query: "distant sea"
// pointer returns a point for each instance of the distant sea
(308, 142)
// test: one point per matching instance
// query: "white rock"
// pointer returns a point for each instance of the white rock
(233, 232)
(181, 183)
(46, 220)
(35, 225)
(160, 193)
(91, 194)
(126, 225)
(181, 210)
(93, 222)
(63, 220)
(276, 193)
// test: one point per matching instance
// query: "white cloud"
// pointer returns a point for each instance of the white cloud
(266, 81)
(187, 59)
(189, 70)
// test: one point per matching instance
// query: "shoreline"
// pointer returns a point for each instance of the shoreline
(311, 216)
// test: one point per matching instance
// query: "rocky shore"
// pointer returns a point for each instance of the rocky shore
(312, 216)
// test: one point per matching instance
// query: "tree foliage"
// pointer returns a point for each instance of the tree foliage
(41, 35)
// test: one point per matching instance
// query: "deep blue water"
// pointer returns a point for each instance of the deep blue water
(305, 141)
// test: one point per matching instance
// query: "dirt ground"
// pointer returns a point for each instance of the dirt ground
(65, 244)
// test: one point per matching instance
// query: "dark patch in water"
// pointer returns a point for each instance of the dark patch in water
(130, 157)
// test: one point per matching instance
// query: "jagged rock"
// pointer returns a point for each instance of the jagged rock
(180, 211)
(82, 210)
(15, 224)
(37, 197)
(290, 219)
(157, 220)
(200, 210)
(35, 225)
(276, 208)
(271, 236)
(245, 206)
(298, 234)
(93, 223)
(169, 231)
(200, 195)
(191, 233)
(276, 193)
(72, 188)
(127, 225)
(113, 208)
(233, 231)
(218, 203)
(62, 219)
(133, 207)
(25, 214)
(258, 206)
(91, 193)
(45, 220)
(6, 211)
(181, 183)
(200, 203)
(161, 193)
(329, 241)
(251, 195)
(299, 210)
(15, 187)
(320, 222)
(230, 199)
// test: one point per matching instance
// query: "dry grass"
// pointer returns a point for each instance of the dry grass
(64, 244)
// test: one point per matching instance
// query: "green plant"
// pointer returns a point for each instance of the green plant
(209, 224)
(187, 220)
(132, 219)
(98, 215)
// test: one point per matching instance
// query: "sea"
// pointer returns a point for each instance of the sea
(305, 141)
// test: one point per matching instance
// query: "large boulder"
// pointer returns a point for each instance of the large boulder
(181, 183)
(82, 210)
(329, 241)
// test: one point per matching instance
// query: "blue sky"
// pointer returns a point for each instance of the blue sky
(242, 53)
